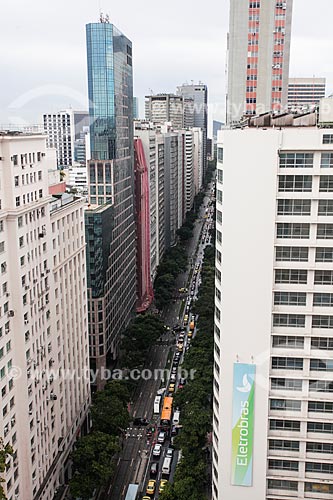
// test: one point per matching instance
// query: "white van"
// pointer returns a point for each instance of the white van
(166, 467)
(176, 415)
(157, 405)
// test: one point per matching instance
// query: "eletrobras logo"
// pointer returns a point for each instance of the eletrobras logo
(242, 423)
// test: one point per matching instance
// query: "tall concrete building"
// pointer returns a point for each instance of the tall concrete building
(273, 403)
(110, 218)
(176, 109)
(305, 93)
(199, 94)
(258, 57)
(44, 359)
(65, 133)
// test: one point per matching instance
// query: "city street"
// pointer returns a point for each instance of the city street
(132, 464)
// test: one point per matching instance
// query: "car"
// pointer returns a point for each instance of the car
(174, 430)
(154, 468)
(172, 388)
(173, 370)
(180, 347)
(177, 355)
(169, 453)
(189, 335)
(149, 431)
(187, 309)
(173, 377)
(151, 487)
(157, 450)
(161, 435)
(176, 362)
(140, 421)
(146, 498)
(163, 482)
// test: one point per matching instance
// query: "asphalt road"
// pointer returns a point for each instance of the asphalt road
(133, 461)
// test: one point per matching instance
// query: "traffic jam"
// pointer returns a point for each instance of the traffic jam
(164, 457)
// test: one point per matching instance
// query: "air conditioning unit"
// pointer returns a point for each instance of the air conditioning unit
(26, 287)
(10, 314)
(42, 275)
(26, 321)
(7, 294)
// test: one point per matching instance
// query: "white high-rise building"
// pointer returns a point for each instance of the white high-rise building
(66, 132)
(258, 57)
(273, 390)
(43, 320)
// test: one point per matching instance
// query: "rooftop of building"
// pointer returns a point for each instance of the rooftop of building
(62, 200)
(21, 131)
(320, 116)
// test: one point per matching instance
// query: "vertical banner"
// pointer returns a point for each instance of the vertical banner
(242, 424)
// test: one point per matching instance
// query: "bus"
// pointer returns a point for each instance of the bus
(132, 492)
(157, 405)
(166, 413)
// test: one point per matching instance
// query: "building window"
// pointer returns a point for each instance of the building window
(322, 343)
(321, 365)
(285, 404)
(287, 363)
(293, 254)
(328, 139)
(323, 277)
(291, 276)
(321, 407)
(296, 160)
(286, 384)
(295, 183)
(325, 207)
(324, 254)
(326, 184)
(322, 321)
(288, 342)
(324, 231)
(322, 427)
(220, 155)
(323, 299)
(285, 425)
(321, 386)
(319, 468)
(283, 465)
(282, 444)
(326, 160)
(17, 201)
(319, 448)
(290, 298)
(292, 230)
(294, 207)
(280, 484)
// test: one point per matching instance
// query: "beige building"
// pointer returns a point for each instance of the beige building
(43, 320)
(305, 93)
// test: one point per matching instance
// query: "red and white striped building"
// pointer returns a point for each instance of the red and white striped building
(258, 57)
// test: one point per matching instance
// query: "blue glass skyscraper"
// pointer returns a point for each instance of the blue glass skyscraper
(111, 263)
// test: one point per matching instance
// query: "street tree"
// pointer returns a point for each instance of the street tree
(5, 452)
(92, 463)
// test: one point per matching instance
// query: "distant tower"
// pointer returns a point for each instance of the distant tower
(258, 59)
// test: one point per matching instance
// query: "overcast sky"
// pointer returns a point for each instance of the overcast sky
(43, 54)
